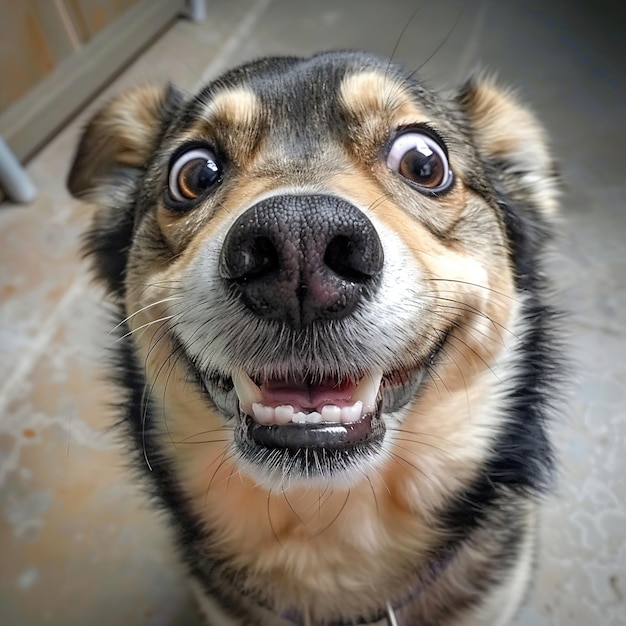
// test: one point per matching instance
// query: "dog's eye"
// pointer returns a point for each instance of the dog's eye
(193, 173)
(420, 159)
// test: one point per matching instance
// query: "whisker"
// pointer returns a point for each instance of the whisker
(398, 457)
(206, 432)
(341, 510)
(222, 459)
(284, 493)
(168, 299)
(470, 284)
(149, 388)
(146, 325)
(158, 283)
(440, 46)
(269, 517)
(408, 23)
(204, 441)
(424, 444)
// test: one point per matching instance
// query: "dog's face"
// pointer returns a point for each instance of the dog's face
(320, 277)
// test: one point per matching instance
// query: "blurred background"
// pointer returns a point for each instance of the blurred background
(77, 544)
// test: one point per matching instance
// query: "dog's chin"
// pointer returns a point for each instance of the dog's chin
(310, 430)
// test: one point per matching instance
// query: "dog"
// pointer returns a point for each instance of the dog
(337, 357)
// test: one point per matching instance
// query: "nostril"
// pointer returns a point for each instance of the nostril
(254, 258)
(353, 262)
(340, 258)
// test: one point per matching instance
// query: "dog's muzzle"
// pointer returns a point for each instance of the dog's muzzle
(302, 261)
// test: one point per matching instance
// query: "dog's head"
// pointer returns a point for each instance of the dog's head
(321, 262)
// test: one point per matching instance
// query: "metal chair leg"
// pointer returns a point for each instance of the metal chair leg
(13, 177)
(197, 10)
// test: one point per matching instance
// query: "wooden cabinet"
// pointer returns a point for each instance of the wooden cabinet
(55, 54)
(89, 17)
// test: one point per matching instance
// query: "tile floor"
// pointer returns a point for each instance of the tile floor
(77, 545)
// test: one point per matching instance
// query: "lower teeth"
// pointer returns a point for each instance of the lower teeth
(282, 415)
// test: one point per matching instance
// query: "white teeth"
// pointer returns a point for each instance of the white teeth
(281, 415)
(284, 414)
(307, 418)
(299, 418)
(363, 402)
(352, 413)
(331, 413)
(247, 392)
(263, 414)
(367, 390)
(313, 418)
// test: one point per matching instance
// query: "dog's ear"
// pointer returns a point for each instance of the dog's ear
(112, 155)
(124, 134)
(514, 152)
(511, 144)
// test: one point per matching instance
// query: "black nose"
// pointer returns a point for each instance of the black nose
(301, 259)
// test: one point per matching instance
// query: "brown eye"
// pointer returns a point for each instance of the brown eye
(193, 173)
(421, 160)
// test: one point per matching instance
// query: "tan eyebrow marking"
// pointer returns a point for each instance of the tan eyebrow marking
(373, 93)
(234, 116)
(375, 104)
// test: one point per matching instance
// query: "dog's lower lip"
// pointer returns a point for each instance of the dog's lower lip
(329, 436)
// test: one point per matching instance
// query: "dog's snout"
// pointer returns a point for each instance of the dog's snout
(300, 259)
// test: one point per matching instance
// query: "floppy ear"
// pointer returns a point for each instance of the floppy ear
(111, 157)
(124, 134)
(513, 149)
(512, 144)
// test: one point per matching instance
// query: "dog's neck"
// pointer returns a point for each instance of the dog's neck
(432, 571)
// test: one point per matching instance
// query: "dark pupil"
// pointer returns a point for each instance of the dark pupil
(197, 176)
(424, 169)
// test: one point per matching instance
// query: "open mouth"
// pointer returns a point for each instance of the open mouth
(302, 427)
(301, 414)
(279, 402)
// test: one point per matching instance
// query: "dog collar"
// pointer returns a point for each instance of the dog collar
(387, 616)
